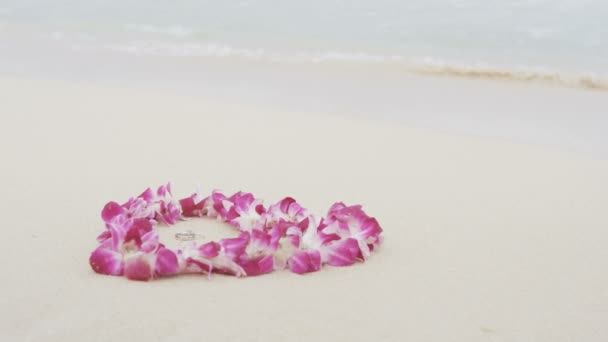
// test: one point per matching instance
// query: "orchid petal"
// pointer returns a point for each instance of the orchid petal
(104, 236)
(342, 253)
(305, 261)
(210, 249)
(147, 195)
(258, 266)
(192, 208)
(111, 210)
(234, 247)
(106, 261)
(166, 262)
(140, 266)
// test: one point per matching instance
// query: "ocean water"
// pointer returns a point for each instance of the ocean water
(564, 41)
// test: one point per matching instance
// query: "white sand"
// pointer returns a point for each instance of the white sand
(484, 240)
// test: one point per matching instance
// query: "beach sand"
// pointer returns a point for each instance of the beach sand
(485, 239)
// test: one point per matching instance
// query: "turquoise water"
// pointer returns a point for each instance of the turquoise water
(524, 37)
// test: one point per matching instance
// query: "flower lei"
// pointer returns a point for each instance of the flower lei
(283, 235)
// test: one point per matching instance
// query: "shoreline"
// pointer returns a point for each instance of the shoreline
(568, 119)
(179, 44)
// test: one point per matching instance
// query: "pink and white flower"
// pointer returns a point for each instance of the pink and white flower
(287, 210)
(353, 222)
(244, 211)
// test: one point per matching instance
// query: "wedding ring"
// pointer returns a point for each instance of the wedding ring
(186, 236)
